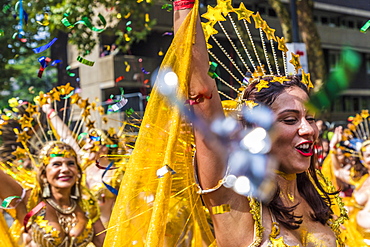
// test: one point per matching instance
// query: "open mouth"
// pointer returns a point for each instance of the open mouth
(305, 149)
(65, 178)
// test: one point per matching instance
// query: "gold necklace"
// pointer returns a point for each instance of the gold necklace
(291, 197)
(61, 210)
(286, 176)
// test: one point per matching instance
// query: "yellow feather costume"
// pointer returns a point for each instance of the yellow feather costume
(162, 211)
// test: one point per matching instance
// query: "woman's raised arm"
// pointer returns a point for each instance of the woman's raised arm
(211, 157)
(9, 188)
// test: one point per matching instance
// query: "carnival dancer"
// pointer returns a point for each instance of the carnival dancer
(354, 142)
(102, 154)
(56, 212)
(298, 214)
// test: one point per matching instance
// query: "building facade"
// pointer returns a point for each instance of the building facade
(338, 24)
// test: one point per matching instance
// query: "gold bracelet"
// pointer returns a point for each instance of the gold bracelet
(206, 191)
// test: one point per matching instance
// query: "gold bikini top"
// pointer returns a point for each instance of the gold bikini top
(45, 235)
(274, 240)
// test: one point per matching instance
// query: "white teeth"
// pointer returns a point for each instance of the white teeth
(304, 146)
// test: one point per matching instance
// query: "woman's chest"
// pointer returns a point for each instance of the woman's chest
(310, 233)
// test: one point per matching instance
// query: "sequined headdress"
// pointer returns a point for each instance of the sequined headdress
(253, 59)
(357, 134)
(35, 128)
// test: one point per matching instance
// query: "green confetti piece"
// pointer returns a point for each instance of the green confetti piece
(168, 7)
(6, 8)
(69, 95)
(365, 27)
(212, 70)
(337, 82)
(129, 112)
(69, 72)
(85, 21)
(85, 61)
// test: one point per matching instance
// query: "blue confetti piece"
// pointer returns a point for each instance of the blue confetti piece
(44, 47)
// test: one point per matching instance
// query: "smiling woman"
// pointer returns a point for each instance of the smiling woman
(299, 213)
(57, 212)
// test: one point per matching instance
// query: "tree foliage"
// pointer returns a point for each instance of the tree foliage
(308, 32)
(128, 20)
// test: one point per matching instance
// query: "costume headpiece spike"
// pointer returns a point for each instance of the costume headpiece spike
(356, 134)
(257, 61)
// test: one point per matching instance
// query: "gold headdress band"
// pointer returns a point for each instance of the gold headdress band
(256, 68)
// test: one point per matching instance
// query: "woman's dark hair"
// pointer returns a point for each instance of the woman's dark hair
(307, 182)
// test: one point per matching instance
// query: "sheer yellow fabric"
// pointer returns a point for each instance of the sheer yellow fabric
(327, 170)
(5, 239)
(162, 211)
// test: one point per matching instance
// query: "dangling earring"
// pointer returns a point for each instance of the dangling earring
(46, 190)
(77, 190)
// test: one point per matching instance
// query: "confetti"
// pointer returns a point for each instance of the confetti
(212, 69)
(128, 15)
(45, 21)
(69, 72)
(44, 61)
(119, 104)
(85, 61)
(147, 18)
(168, 7)
(55, 62)
(44, 47)
(144, 71)
(129, 112)
(365, 27)
(68, 95)
(6, 8)
(128, 66)
(167, 33)
(19, 37)
(109, 167)
(163, 170)
(85, 21)
(119, 78)
(338, 81)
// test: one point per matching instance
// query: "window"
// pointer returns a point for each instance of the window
(334, 59)
(324, 20)
(351, 24)
(368, 64)
(356, 103)
(271, 12)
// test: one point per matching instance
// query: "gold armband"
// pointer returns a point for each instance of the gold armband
(221, 209)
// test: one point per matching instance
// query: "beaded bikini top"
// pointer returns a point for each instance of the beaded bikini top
(43, 234)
